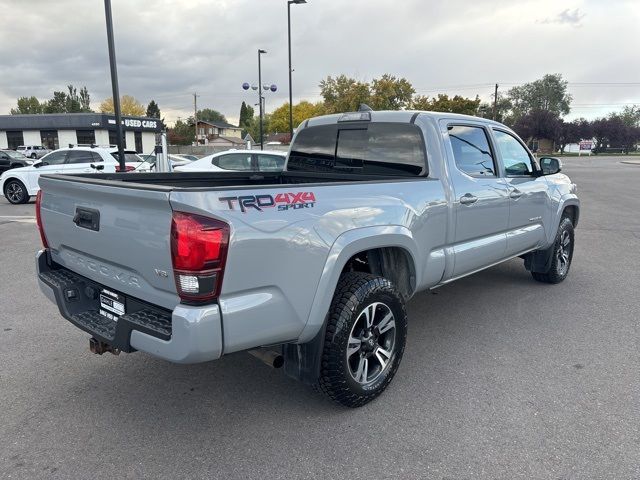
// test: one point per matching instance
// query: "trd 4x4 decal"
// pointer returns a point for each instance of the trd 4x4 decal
(283, 201)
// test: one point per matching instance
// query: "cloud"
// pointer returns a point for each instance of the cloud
(169, 49)
(566, 17)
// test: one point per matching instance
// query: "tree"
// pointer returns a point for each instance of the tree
(442, 103)
(128, 106)
(210, 115)
(279, 121)
(153, 111)
(246, 114)
(27, 105)
(343, 94)
(57, 104)
(85, 100)
(391, 93)
(547, 94)
(485, 109)
(182, 133)
(538, 124)
(573, 132)
(253, 126)
(630, 115)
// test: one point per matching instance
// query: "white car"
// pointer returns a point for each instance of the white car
(176, 160)
(19, 184)
(239, 160)
(32, 151)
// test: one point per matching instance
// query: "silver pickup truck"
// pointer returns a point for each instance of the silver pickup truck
(310, 267)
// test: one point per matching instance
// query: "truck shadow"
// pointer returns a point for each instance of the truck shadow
(239, 392)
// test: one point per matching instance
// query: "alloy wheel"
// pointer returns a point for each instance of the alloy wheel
(563, 253)
(15, 192)
(371, 343)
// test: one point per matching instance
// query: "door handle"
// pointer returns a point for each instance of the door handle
(468, 199)
(515, 194)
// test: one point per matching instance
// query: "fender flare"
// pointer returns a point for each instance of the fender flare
(345, 246)
(567, 200)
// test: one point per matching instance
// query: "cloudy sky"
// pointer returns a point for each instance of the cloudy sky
(168, 49)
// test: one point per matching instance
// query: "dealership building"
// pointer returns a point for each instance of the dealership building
(57, 130)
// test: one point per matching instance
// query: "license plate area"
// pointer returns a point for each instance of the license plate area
(112, 304)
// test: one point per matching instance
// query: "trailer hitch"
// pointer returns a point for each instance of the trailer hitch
(98, 347)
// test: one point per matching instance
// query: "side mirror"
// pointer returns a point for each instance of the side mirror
(550, 165)
(39, 164)
(97, 167)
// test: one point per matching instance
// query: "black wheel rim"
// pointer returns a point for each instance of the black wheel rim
(371, 343)
(563, 253)
(14, 192)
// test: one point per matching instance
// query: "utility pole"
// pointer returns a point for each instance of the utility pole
(195, 113)
(495, 103)
(114, 85)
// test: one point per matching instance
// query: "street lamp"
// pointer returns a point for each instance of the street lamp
(289, 2)
(261, 100)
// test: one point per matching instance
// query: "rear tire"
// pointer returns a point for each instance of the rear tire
(15, 192)
(561, 255)
(34, 156)
(364, 340)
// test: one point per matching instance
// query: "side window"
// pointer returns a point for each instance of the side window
(515, 157)
(55, 158)
(471, 150)
(270, 163)
(79, 156)
(95, 157)
(235, 161)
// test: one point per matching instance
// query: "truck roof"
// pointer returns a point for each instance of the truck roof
(398, 116)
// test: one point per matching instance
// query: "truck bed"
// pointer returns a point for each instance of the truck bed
(224, 180)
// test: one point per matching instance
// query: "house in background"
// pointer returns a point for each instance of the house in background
(209, 132)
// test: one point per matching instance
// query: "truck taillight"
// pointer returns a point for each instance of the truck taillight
(199, 252)
(43, 237)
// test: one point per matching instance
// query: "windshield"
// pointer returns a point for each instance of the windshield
(128, 157)
(15, 155)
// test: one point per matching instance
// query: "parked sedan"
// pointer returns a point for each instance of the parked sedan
(11, 159)
(176, 160)
(239, 160)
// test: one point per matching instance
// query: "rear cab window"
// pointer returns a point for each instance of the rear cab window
(366, 148)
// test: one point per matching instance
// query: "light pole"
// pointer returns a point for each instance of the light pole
(261, 100)
(114, 84)
(289, 2)
(260, 52)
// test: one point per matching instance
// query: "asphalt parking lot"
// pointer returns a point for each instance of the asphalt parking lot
(502, 377)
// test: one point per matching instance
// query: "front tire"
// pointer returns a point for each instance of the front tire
(34, 156)
(364, 341)
(561, 255)
(15, 192)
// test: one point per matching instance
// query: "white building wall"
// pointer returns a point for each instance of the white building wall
(102, 137)
(148, 142)
(3, 140)
(31, 137)
(130, 141)
(65, 137)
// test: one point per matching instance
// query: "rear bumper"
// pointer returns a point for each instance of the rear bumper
(185, 335)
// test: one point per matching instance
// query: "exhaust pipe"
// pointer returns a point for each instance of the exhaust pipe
(98, 347)
(269, 357)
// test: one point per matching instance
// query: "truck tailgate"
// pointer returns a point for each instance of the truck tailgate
(123, 242)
